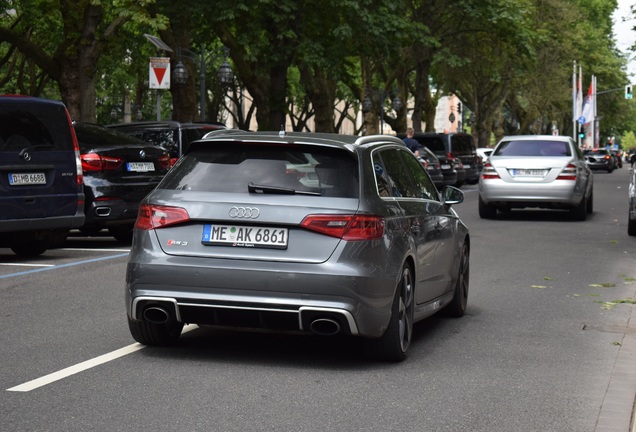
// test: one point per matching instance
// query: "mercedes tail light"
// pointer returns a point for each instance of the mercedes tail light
(346, 227)
(568, 173)
(489, 172)
(156, 216)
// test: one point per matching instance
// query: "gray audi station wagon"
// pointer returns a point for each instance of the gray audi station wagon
(318, 233)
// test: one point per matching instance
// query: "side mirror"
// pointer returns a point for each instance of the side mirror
(451, 195)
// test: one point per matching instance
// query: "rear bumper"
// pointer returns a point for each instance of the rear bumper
(559, 193)
(277, 296)
(42, 224)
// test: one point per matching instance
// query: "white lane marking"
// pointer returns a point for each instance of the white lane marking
(27, 265)
(80, 367)
(94, 249)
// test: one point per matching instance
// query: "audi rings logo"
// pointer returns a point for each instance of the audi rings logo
(244, 212)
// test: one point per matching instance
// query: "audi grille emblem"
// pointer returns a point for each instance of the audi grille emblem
(244, 212)
(142, 154)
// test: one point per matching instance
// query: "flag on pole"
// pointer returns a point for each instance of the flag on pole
(588, 106)
(578, 103)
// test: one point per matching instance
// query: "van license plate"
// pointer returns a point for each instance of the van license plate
(27, 179)
(244, 236)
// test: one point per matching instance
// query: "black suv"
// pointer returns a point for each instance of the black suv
(41, 194)
(454, 147)
(172, 135)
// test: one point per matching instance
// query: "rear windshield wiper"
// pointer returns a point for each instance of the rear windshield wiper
(267, 189)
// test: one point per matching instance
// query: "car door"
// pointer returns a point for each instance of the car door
(426, 222)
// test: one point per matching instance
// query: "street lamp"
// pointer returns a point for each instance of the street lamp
(367, 105)
(225, 74)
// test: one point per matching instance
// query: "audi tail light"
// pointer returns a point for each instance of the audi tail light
(346, 227)
(568, 173)
(489, 172)
(156, 216)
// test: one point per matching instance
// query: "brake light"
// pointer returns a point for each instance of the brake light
(173, 161)
(155, 216)
(489, 172)
(164, 161)
(346, 227)
(568, 173)
(95, 162)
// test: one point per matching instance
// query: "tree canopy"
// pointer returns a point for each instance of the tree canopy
(306, 62)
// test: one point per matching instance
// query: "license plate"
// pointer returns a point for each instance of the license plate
(445, 166)
(528, 173)
(27, 179)
(140, 166)
(466, 165)
(244, 236)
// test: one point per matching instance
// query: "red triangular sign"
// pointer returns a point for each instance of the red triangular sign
(159, 73)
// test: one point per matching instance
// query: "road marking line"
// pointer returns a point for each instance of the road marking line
(94, 249)
(27, 265)
(80, 367)
(62, 265)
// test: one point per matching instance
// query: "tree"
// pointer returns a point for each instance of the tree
(68, 43)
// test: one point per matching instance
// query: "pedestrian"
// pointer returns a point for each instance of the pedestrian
(411, 142)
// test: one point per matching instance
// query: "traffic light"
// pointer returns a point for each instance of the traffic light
(459, 107)
(582, 133)
(628, 91)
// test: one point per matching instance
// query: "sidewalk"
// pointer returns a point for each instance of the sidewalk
(618, 412)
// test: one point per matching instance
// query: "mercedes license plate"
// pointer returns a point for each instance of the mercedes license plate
(140, 166)
(528, 172)
(27, 179)
(244, 236)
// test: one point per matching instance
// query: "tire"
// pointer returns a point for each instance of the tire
(32, 249)
(32, 244)
(393, 345)
(155, 334)
(579, 213)
(486, 211)
(631, 227)
(122, 234)
(457, 307)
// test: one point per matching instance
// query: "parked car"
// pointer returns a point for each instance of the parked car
(456, 148)
(484, 153)
(600, 159)
(631, 220)
(41, 197)
(230, 238)
(433, 166)
(618, 157)
(542, 171)
(119, 171)
(172, 135)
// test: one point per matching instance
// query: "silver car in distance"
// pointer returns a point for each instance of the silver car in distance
(318, 233)
(544, 171)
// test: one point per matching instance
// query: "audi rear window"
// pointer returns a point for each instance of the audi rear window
(36, 126)
(233, 167)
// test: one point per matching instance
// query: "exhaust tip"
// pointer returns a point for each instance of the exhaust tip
(325, 327)
(102, 211)
(156, 315)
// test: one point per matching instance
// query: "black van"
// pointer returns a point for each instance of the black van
(41, 193)
(454, 146)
